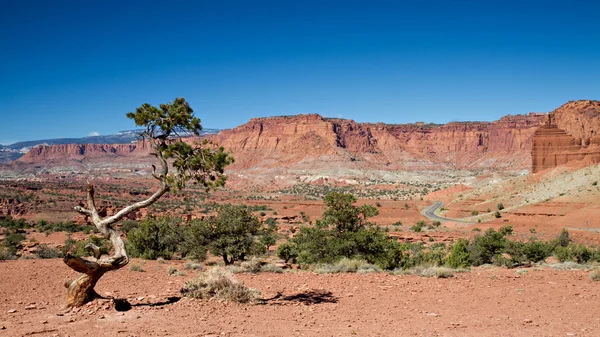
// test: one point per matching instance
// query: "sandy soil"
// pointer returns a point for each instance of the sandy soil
(483, 302)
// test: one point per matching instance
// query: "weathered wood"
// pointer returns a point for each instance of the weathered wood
(81, 290)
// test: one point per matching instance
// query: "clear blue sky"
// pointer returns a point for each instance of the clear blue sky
(70, 68)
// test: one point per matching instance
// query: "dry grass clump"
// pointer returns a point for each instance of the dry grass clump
(219, 284)
(136, 267)
(251, 266)
(192, 266)
(271, 268)
(346, 265)
(568, 265)
(439, 272)
(595, 274)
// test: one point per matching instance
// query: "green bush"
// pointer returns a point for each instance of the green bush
(563, 238)
(500, 206)
(45, 252)
(287, 252)
(234, 234)
(563, 254)
(78, 248)
(459, 255)
(44, 226)
(581, 253)
(13, 224)
(13, 242)
(344, 232)
(5, 255)
(136, 267)
(484, 247)
(155, 237)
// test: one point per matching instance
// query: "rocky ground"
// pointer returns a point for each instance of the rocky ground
(482, 302)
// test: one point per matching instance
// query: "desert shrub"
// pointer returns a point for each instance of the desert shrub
(569, 265)
(78, 248)
(268, 239)
(13, 242)
(128, 225)
(459, 254)
(500, 206)
(5, 255)
(574, 252)
(234, 234)
(422, 271)
(504, 260)
(287, 252)
(563, 238)
(346, 265)
(219, 284)
(344, 232)
(271, 222)
(43, 251)
(434, 255)
(155, 237)
(595, 274)
(271, 268)
(537, 251)
(580, 253)
(497, 214)
(13, 224)
(251, 266)
(69, 227)
(563, 254)
(474, 213)
(416, 228)
(192, 266)
(484, 247)
(136, 267)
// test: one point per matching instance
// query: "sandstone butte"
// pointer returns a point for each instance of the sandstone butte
(535, 141)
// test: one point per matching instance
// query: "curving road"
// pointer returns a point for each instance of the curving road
(429, 212)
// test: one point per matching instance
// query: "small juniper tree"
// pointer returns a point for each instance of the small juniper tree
(163, 129)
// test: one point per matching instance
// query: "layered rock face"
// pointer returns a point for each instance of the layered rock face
(268, 142)
(312, 142)
(570, 134)
(45, 153)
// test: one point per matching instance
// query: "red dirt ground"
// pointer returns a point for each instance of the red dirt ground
(482, 302)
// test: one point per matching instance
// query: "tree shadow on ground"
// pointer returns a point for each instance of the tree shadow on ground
(122, 304)
(308, 297)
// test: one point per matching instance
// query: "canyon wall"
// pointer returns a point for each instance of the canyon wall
(264, 142)
(61, 152)
(312, 142)
(569, 134)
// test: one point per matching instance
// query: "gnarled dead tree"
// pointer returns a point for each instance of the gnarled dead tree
(201, 163)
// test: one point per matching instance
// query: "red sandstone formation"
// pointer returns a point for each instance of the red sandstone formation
(569, 134)
(311, 142)
(44, 153)
(287, 140)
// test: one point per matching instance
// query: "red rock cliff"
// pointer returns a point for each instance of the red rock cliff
(273, 141)
(570, 134)
(313, 142)
(44, 153)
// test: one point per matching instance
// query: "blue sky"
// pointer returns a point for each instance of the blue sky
(71, 68)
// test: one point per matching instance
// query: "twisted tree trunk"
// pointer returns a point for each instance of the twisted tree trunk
(81, 290)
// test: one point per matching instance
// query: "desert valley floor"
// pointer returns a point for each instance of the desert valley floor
(537, 301)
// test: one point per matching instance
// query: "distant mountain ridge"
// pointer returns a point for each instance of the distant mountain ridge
(17, 150)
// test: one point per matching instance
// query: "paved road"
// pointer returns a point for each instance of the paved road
(429, 212)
